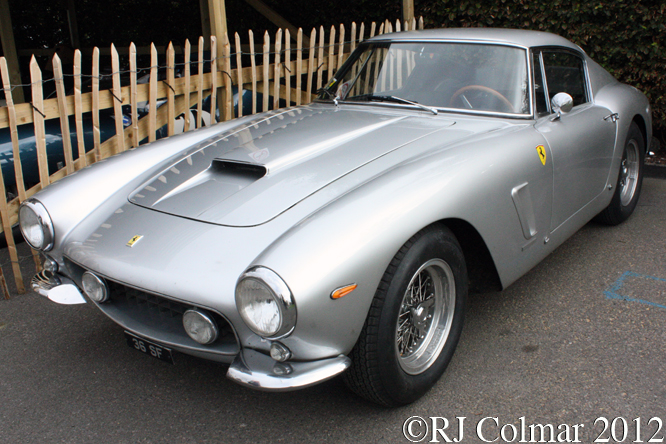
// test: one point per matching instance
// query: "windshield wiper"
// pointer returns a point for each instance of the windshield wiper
(329, 94)
(371, 97)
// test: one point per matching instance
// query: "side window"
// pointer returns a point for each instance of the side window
(539, 86)
(565, 72)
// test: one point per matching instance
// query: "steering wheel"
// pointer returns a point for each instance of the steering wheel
(461, 93)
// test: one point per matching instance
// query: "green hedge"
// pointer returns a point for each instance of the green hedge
(625, 36)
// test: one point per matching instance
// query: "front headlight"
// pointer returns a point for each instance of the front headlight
(265, 303)
(36, 225)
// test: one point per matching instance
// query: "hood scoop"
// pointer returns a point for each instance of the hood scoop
(241, 171)
(262, 168)
(186, 188)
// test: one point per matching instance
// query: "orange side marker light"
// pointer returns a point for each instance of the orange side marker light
(343, 291)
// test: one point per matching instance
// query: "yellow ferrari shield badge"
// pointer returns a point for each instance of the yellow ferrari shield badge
(134, 240)
(542, 153)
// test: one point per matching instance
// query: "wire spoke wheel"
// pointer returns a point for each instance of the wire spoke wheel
(629, 180)
(629, 172)
(425, 316)
(415, 320)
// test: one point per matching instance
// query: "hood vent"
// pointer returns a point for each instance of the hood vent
(240, 170)
(191, 191)
(252, 175)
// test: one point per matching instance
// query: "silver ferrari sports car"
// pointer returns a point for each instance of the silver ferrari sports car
(343, 237)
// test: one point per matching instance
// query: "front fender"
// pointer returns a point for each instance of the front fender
(353, 239)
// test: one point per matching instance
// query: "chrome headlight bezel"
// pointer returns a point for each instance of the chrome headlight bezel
(91, 284)
(43, 221)
(280, 294)
(205, 321)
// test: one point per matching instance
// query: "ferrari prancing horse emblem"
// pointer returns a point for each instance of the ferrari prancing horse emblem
(542, 153)
(134, 240)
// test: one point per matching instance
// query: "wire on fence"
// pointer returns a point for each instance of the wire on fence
(147, 69)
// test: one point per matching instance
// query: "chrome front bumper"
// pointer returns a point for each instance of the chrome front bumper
(258, 371)
(57, 288)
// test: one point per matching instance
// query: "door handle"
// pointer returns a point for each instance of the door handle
(612, 117)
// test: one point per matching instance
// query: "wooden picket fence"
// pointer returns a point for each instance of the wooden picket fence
(288, 73)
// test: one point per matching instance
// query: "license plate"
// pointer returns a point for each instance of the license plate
(149, 348)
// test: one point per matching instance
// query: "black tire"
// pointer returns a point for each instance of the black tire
(385, 369)
(629, 181)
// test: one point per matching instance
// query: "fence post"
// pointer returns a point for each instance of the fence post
(287, 65)
(95, 104)
(64, 115)
(266, 64)
(200, 57)
(152, 96)
(133, 95)
(226, 66)
(4, 210)
(171, 94)
(117, 101)
(239, 73)
(13, 129)
(299, 65)
(341, 47)
(311, 63)
(320, 58)
(78, 111)
(38, 121)
(276, 69)
(213, 80)
(253, 65)
(188, 85)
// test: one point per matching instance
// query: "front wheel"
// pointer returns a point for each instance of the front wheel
(414, 323)
(629, 181)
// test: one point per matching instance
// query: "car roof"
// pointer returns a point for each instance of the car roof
(518, 37)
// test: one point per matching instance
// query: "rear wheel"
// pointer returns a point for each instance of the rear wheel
(629, 182)
(414, 323)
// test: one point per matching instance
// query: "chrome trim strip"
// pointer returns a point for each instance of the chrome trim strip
(258, 371)
(383, 38)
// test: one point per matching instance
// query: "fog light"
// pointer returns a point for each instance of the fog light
(95, 287)
(279, 352)
(200, 326)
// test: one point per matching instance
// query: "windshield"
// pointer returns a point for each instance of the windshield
(461, 76)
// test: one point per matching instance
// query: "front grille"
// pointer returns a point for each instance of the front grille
(158, 317)
(160, 305)
(157, 306)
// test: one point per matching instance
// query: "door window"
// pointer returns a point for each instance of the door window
(565, 72)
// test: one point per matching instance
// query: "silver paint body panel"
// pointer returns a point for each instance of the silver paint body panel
(345, 187)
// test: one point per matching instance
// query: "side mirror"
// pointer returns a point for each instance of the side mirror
(561, 103)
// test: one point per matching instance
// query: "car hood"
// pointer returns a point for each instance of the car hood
(252, 173)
